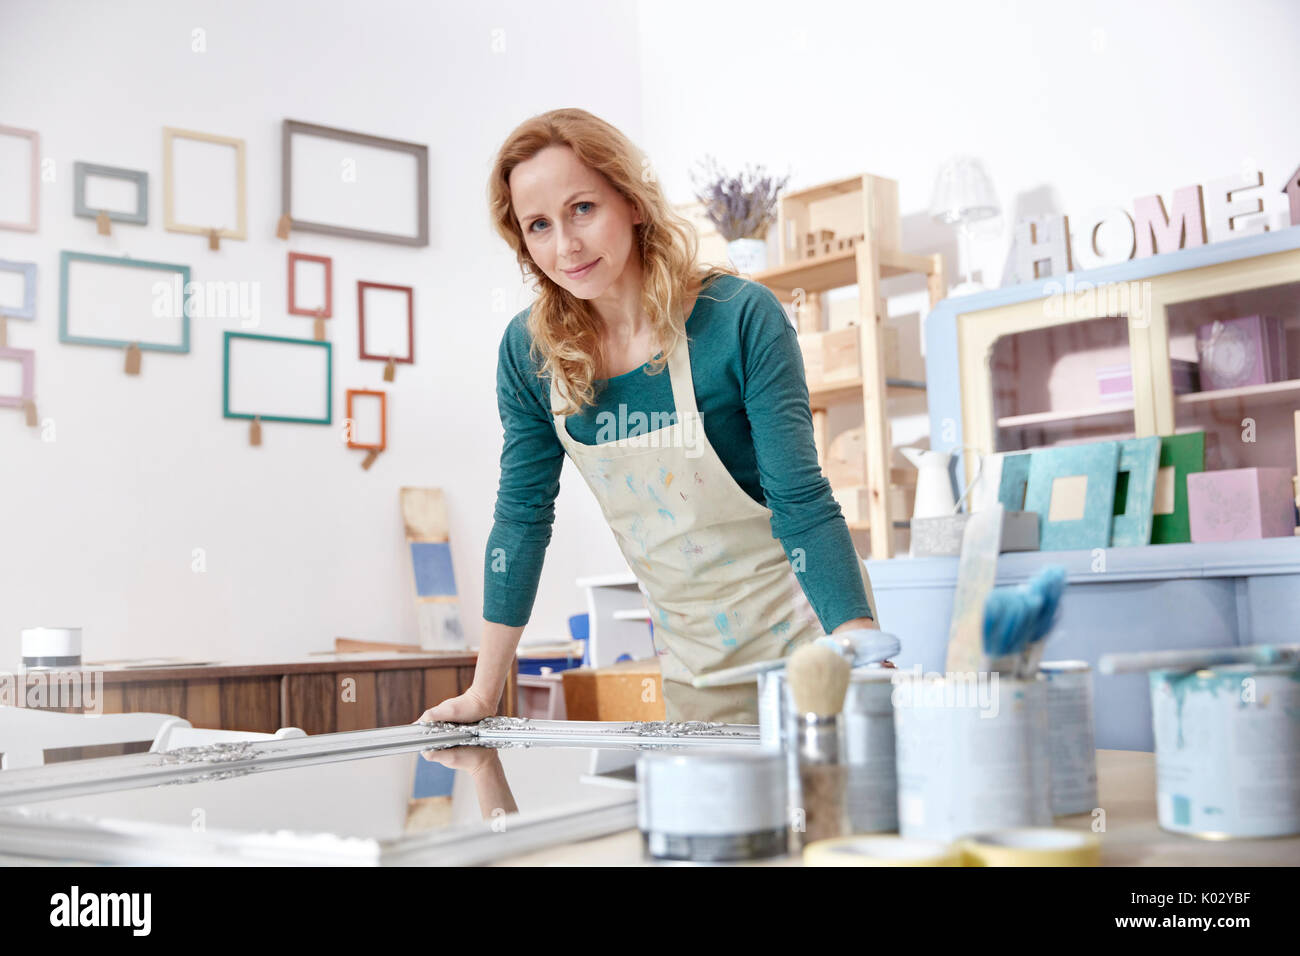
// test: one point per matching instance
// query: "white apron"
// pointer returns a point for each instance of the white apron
(719, 587)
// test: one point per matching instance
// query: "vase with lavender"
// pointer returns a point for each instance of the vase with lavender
(742, 207)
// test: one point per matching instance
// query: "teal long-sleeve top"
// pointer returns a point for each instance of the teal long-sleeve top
(753, 399)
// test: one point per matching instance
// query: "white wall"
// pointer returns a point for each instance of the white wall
(97, 527)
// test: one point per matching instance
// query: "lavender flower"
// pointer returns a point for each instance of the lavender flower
(741, 206)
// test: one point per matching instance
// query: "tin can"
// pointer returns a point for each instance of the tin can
(712, 806)
(1071, 741)
(866, 742)
(971, 754)
(1228, 750)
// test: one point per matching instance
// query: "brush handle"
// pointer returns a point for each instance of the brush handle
(1260, 654)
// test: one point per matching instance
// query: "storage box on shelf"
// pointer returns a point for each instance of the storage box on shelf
(839, 234)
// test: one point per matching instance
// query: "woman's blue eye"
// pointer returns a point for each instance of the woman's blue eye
(536, 221)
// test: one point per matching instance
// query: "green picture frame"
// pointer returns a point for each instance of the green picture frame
(1135, 492)
(229, 337)
(1185, 454)
(1098, 462)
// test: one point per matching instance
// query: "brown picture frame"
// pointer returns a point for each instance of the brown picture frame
(362, 286)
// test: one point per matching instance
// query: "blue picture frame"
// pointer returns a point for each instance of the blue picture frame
(67, 258)
(28, 271)
(1135, 492)
(1099, 463)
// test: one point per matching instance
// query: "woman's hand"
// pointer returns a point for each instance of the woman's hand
(469, 708)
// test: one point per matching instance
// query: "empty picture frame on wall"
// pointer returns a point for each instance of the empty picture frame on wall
(276, 379)
(1135, 491)
(20, 179)
(1072, 487)
(1180, 456)
(386, 322)
(204, 184)
(17, 289)
(114, 302)
(122, 194)
(354, 185)
(368, 419)
(311, 285)
(17, 384)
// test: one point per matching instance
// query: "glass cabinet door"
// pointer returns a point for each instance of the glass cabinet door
(1063, 384)
(1244, 351)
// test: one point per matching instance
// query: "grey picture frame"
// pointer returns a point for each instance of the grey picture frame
(138, 176)
(291, 128)
(25, 832)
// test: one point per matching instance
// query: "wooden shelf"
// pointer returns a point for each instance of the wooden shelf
(836, 270)
(826, 393)
(866, 525)
(1274, 391)
(1065, 417)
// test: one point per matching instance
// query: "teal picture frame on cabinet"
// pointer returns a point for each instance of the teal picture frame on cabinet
(1135, 492)
(1098, 463)
(283, 375)
(179, 289)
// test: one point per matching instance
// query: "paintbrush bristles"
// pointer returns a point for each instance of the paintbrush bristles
(819, 679)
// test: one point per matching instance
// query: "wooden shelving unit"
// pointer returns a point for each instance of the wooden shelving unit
(847, 233)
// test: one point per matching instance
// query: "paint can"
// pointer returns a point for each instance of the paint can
(867, 732)
(1228, 750)
(971, 754)
(712, 806)
(1072, 746)
(50, 647)
(869, 745)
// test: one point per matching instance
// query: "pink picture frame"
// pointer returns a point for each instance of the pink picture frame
(27, 358)
(328, 311)
(34, 216)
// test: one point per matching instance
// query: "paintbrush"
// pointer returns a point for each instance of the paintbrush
(859, 647)
(1261, 655)
(819, 679)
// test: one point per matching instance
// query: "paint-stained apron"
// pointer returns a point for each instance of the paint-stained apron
(719, 587)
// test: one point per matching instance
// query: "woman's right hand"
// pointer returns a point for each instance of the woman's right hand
(469, 708)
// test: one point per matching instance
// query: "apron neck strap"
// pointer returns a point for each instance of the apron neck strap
(679, 375)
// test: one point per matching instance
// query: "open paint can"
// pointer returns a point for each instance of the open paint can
(1228, 750)
(1072, 746)
(866, 739)
(971, 754)
(712, 806)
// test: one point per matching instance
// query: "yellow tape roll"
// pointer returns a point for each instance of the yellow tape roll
(1031, 846)
(880, 851)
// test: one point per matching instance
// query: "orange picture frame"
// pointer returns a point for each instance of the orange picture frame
(383, 418)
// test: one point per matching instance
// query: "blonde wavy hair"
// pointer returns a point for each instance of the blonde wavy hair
(565, 330)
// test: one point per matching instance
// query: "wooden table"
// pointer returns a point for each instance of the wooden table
(1126, 782)
(320, 693)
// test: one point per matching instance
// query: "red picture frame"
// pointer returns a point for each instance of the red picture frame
(383, 418)
(328, 311)
(409, 358)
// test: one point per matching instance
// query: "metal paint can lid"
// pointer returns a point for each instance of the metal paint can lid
(711, 792)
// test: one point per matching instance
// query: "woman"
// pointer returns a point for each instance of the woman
(708, 476)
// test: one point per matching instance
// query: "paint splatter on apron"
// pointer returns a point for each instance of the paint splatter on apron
(719, 587)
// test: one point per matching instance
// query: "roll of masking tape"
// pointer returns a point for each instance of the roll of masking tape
(880, 851)
(1031, 846)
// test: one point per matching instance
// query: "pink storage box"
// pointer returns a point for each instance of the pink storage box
(1240, 504)
(1250, 350)
(1115, 382)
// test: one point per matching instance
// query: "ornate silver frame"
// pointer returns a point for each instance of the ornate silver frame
(25, 832)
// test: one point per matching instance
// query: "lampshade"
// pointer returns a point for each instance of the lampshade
(963, 192)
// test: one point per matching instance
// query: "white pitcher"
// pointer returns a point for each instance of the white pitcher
(934, 496)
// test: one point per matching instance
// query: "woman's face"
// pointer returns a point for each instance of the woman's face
(577, 227)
